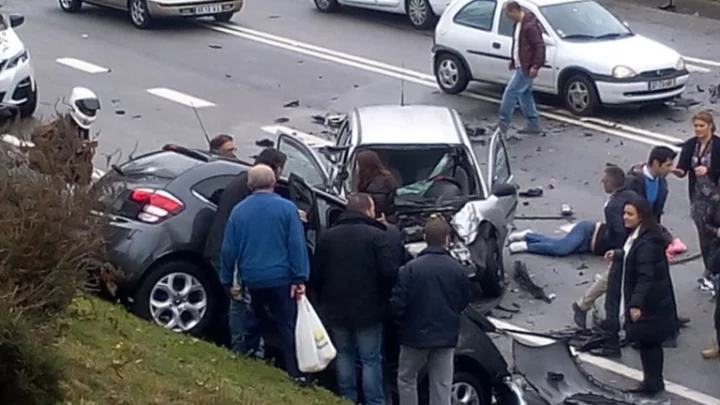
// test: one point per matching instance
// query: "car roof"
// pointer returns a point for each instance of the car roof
(538, 3)
(408, 125)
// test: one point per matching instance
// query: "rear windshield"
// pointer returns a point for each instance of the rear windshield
(164, 165)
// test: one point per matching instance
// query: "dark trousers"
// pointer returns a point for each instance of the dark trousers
(652, 359)
(717, 316)
(284, 310)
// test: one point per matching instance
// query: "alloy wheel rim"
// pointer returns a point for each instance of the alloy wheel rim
(448, 73)
(417, 10)
(66, 4)
(323, 4)
(137, 12)
(178, 301)
(464, 394)
(578, 96)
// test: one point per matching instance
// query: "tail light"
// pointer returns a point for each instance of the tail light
(156, 205)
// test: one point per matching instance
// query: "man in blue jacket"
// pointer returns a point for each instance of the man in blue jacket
(265, 240)
(431, 292)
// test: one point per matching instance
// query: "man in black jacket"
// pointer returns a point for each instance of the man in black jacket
(233, 194)
(432, 291)
(353, 272)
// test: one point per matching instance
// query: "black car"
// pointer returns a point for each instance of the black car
(161, 206)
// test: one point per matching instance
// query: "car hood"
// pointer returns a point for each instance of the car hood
(637, 52)
(10, 44)
(555, 374)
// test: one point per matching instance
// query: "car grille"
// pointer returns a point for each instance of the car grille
(657, 74)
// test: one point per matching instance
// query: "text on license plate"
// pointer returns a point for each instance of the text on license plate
(661, 84)
(208, 9)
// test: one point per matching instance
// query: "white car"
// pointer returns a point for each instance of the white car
(423, 14)
(17, 79)
(592, 57)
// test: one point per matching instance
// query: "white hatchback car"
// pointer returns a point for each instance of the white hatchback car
(592, 57)
(423, 14)
(17, 78)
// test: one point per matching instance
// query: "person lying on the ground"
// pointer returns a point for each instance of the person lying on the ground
(585, 236)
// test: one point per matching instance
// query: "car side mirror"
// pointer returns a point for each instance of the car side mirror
(549, 41)
(16, 20)
(504, 190)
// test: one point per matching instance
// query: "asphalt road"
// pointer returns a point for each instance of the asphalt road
(240, 75)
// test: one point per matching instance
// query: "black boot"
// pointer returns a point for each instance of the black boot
(579, 316)
(608, 351)
(652, 359)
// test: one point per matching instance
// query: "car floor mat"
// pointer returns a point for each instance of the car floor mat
(554, 372)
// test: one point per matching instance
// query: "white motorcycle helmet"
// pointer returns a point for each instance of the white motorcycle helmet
(84, 106)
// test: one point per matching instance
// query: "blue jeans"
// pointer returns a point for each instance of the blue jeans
(518, 89)
(365, 343)
(237, 319)
(284, 310)
(576, 241)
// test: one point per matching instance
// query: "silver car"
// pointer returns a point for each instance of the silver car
(427, 150)
(143, 12)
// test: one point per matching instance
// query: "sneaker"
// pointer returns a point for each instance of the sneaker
(608, 352)
(303, 382)
(705, 284)
(530, 130)
(712, 352)
(518, 236)
(518, 247)
(579, 316)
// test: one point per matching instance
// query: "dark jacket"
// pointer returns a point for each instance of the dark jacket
(685, 162)
(635, 181)
(705, 212)
(531, 47)
(383, 190)
(614, 233)
(647, 286)
(234, 193)
(353, 272)
(432, 291)
(397, 244)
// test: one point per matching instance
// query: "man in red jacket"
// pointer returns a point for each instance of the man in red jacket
(527, 58)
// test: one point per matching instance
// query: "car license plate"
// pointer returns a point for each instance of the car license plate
(661, 84)
(208, 9)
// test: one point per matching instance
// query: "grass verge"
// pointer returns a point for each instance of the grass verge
(112, 358)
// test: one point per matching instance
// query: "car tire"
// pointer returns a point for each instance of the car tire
(172, 277)
(450, 73)
(70, 6)
(224, 17)
(465, 386)
(27, 109)
(327, 6)
(580, 95)
(420, 14)
(139, 14)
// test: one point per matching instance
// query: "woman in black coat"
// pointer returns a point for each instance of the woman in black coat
(642, 290)
(700, 157)
(373, 178)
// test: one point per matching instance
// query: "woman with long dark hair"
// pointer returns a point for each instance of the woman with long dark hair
(700, 157)
(706, 215)
(641, 288)
(373, 178)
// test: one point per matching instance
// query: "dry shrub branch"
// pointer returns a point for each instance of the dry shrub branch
(48, 236)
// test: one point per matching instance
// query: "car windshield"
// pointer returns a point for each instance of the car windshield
(417, 171)
(584, 20)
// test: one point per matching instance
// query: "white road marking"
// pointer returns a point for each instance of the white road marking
(86, 67)
(426, 80)
(702, 61)
(310, 140)
(613, 366)
(180, 98)
(699, 69)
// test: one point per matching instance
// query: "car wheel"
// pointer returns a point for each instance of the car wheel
(327, 6)
(70, 6)
(176, 296)
(420, 14)
(139, 14)
(580, 95)
(468, 390)
(450, 73)
(27, 109)
(223, 17)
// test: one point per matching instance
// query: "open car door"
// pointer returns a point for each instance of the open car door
(499, 172)
(303, 157)
(305, 198)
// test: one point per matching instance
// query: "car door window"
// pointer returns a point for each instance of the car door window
(344, 135)
(478, 14)
(501, 163)
(506, 26)
(211, 189)
(301, 161)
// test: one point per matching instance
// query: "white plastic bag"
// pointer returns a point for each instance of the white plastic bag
(313, 347)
